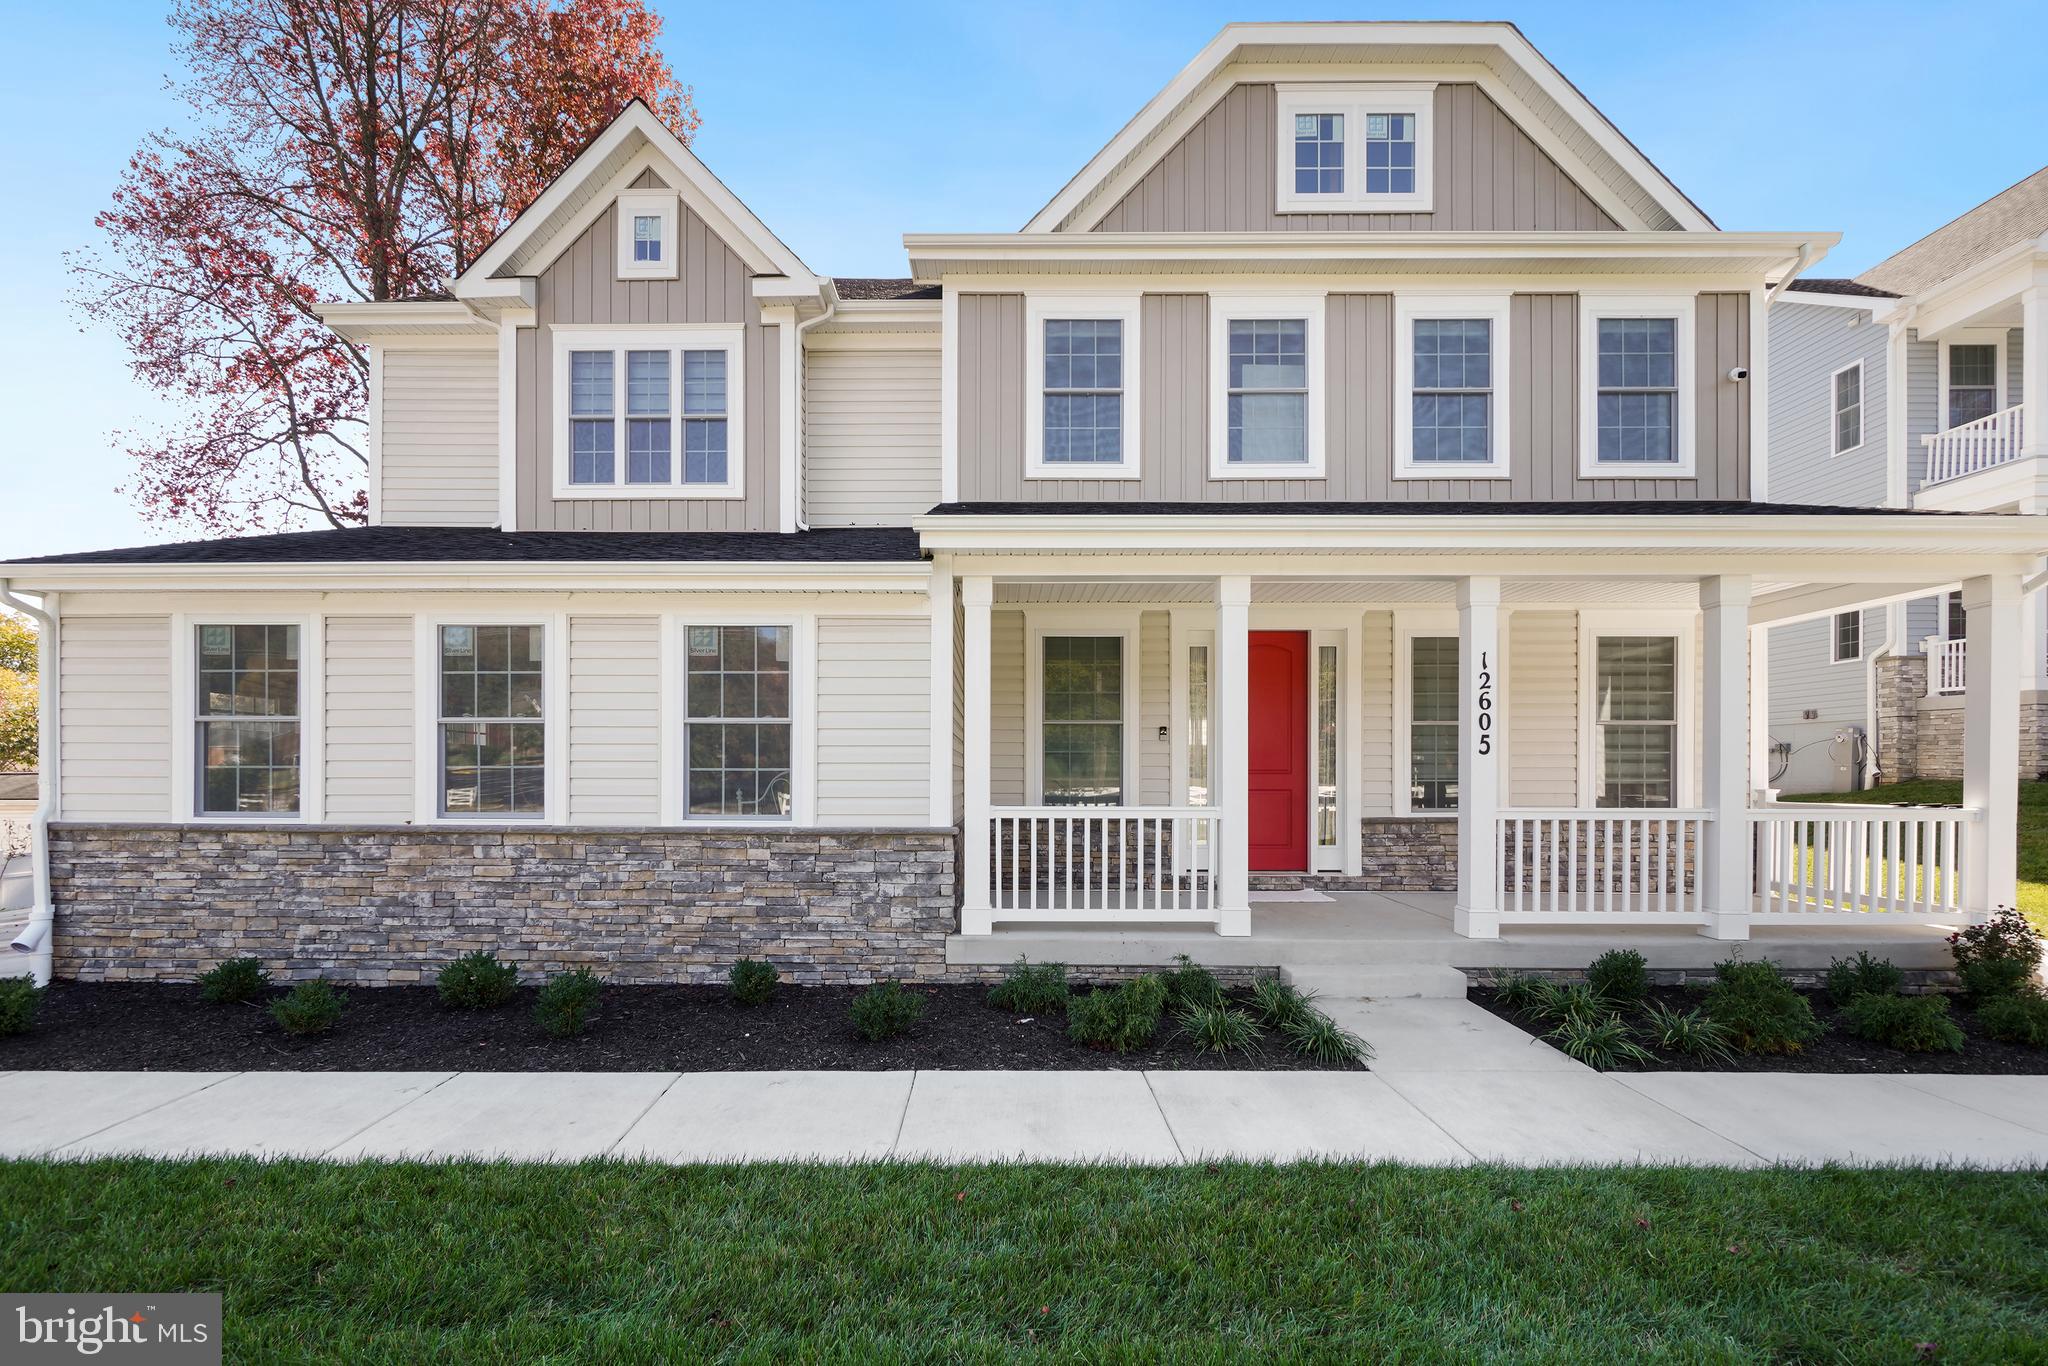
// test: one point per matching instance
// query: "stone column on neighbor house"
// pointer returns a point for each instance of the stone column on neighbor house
(1901, 684)
(1477, 909)
(977, 916)
(1231, 717)
(1991, 768)
(1724, 868)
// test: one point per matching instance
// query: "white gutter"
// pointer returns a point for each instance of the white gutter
(35, 937)
(1798, 266)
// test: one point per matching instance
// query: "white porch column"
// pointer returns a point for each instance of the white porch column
(1231, 715)
(1477, 914)
(1723, 866)
(941, 730)
(977, 591)
(1991, 750)
(1760, 713)
(2034, 367)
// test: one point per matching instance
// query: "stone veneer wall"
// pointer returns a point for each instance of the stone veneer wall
(1922, 737)
(1399, 854)
(374, 905)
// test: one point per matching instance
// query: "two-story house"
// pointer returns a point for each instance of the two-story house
(1909, 386)
(1352, 486)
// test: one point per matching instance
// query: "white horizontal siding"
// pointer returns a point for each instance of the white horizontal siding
(871, 426)
(439, 445)
(1543, 709)
(1375, 747)
(369, 667)
(874, 721)
(114, 699)
(1155, 709)
(615, 720)
(1006, 708)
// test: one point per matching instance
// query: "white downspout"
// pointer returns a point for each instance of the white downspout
(803, 454)
(1872, 769)
(36, 936)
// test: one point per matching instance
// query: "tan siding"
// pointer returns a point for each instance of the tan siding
(1221, 177)
(614, 720)
(439, 445)
(370, 738)
(874, 721)
(1155, 708)
(711, 286)
(1375, 747)
(1543, 709)
(114, 699)
(1006, 708)
(872, 436)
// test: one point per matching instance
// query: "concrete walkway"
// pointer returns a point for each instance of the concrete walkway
(1451, 1084)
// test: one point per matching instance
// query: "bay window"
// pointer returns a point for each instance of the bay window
(248, 695)
(652, 413)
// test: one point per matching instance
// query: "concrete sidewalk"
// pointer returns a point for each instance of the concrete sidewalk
(1447, 1090)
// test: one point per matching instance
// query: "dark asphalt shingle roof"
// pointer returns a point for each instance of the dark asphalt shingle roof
(1629, 508)
(866, 287)
(1807, 285)
(372, 544)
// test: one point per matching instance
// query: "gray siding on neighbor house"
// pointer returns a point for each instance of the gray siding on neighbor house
(1543, 389)
(1923, 403)
(1809, 343)
(1222, 177)
(711, 286)
(1804, 677)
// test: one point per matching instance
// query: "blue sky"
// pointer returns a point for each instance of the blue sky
(845, 126)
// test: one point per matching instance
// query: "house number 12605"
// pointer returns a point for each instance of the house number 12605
(1483, 722)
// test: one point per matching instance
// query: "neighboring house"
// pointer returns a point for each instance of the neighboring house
(1357, 475)
(1909, 386)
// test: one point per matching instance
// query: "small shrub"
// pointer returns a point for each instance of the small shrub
(1911, 1024)
(1191, 984)
(1278, 1003)
(238, 979)
(1220, 1029)
(1754, 1004)
(1689, 1032)
(752, 982)
(2005, 935)
(1122, 1017)
(885, 1010)
(477, 981)
(1315, 1035)
(1620, 976)
(1519, 991)
(1600, 1043)
(2021, 1018)
(1990, 978)
(1576, 1001)
(309, 1008)
(1031, 989)
(1862, 976)
(19, 998)
(564, 1005)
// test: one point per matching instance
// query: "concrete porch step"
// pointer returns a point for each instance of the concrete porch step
(1402, 981)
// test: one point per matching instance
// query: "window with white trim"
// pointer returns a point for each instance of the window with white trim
(1955, 619)
(1846, 637)
(1636, 359)
(1433, 723)
(248, 719)
(1198, 725)
(492, 724)
(1319, 154)
(1972, 381)
(652, 414)
(1267, 396)
(646, 244)
(1846, 393)
(1081, 731)
(1355, 147)
(1450, 356)
(1635, 721)
(739, 727)
(646, 238)
(1081, 369)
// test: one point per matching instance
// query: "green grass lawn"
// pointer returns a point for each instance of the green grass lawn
(628, 1263)
(2033, 829)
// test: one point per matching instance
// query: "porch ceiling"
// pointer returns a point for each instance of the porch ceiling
(1429, 592)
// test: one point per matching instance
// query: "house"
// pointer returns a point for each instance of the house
(1908, 387)
(1353, 486)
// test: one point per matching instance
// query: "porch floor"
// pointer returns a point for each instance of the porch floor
(1376, 929)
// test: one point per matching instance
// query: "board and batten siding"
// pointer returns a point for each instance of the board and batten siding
(438, 443)
(711, 286)
(1222, 177)
(369, 719)
(1542, 704)
(1809, 343)
(874, 721)
(615, 699)
(1543, 432)
(114, 707)
(871, 435)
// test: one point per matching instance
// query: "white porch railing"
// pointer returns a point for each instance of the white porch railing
(1974, 446)
(1817, 862)
(1606, 865)
(1947, 665)
(1102, 863)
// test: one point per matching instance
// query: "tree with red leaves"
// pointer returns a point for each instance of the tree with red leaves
(340, 150)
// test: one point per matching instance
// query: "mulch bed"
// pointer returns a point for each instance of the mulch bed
(1835, 1051)
(162, 1027)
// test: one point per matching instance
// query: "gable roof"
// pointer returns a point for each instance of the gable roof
(1550, 109)
(2014, 215)
(1807, 284)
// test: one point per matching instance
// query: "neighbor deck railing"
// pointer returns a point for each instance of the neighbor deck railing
(1102, 863)
(1817, 862)
(1948, 663)
(1980, 445)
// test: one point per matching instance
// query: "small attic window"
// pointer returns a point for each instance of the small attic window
(647, 235)
(1355, 147)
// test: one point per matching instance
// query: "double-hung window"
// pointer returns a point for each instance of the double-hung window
(738, 732)
(1433, 723)
(646, 240)
(1847, 637)
(1955, 620)
(1450, 360)
(1081, 730)
(249, 704)
(649, 414)
(1845, 391)
(1082, 357)
(492, 724)
(1268, 396)
(1972, 381)
(1319, 154)
(1638, 355)
(1635, 721)
(1355, 147)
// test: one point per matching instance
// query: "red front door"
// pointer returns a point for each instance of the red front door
(1278, 795)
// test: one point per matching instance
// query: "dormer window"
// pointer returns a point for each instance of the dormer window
(647, 235)
(1355, 148)
(649, 412)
